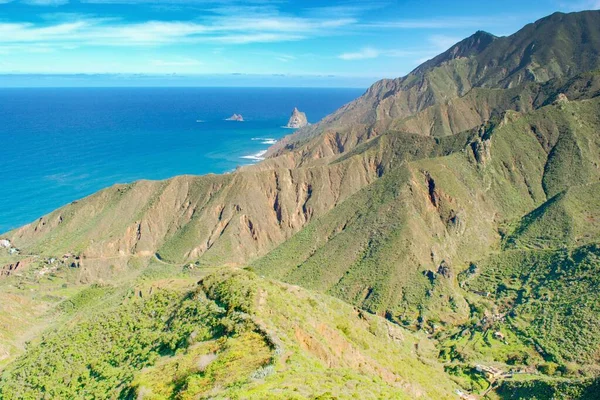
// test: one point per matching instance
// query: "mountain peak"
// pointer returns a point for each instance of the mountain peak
(481, 33)
(474, 44)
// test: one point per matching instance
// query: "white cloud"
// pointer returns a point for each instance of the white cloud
(439, 43)
(367, 52)
(346, 9)
(285, 57)
(457, 22)
(370, 52)
(28, 32)
(217, 29)
(254, 38)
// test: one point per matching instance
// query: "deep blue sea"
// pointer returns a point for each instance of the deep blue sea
(61, 144)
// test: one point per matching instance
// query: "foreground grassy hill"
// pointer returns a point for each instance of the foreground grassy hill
(227, 333)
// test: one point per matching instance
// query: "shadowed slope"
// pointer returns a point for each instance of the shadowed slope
(436, 214)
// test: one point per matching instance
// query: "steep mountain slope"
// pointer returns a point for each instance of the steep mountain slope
(571, 218)
(438, 213)
(222, 218)
(561, 45)
(237, 217)
(483, 104)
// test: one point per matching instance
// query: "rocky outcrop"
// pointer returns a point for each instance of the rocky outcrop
(561, 98)
(297, 120)
(235, 117)
(13, 268)
(444, 270)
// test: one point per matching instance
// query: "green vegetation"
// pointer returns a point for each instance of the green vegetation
(568, 219)
(544, 389)
(443, 232)
(233, 335)
(549, 297)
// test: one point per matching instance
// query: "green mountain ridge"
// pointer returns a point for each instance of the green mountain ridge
(442, 231)
(442, 209)
(558, 46)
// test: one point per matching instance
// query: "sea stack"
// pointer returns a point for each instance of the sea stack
(297, 119)
(235, 117)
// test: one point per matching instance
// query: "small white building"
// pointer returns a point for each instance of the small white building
(5, 243)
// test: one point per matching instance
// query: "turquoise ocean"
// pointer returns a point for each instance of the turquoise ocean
(58, 145)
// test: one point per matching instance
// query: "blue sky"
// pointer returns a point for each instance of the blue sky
(345, 42)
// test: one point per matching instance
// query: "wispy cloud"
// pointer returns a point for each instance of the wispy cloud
(443, 42)
(439, 23)
(347, 9)
(438, 44)
(285, 58)
(371, 52)
(367, 52)
(219, 29)
(161, 35)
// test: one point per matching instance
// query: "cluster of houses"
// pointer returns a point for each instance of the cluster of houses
(492, 373)
(52, 264)
(68, 259)
(6, 244)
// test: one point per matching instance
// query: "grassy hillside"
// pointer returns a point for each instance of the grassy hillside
(226, 334)
(548, 295)
(222, 218)
(571, 218)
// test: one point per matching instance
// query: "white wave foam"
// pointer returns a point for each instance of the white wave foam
(265, 140)
(256, 157)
